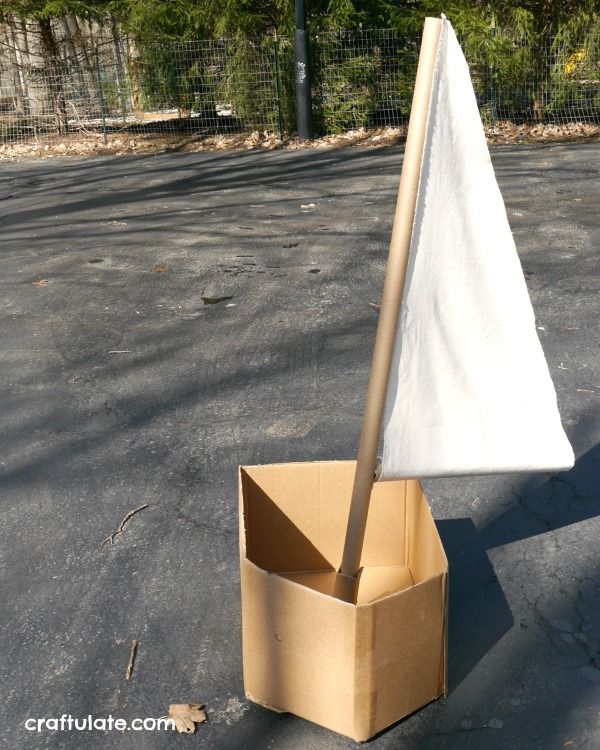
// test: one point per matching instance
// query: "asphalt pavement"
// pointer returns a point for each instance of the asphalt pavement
(167, 318)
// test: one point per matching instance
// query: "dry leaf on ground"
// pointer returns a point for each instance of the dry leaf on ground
(185, 716)
(159, 269)
(40, 282)
(91, 144)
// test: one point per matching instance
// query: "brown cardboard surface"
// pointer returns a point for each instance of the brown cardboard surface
(288, 641)
(425, 554)
(374, 583)
(299, 509)
(352, 668)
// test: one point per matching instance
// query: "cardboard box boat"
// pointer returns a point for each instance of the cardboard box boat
(444, 386)
(353, 668)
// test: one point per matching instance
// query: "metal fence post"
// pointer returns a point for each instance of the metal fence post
(493, 108)
(101, 95)
(278, 85)
(303, 104)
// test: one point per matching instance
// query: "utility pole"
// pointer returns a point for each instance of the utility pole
(303, 103)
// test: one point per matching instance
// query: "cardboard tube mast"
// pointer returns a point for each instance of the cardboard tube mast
(388, 317)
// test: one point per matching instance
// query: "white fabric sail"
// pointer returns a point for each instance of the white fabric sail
(469, 389)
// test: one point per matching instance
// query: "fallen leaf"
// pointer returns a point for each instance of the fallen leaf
(159, 269)
(185, 716)
(214, 300)
(40, 282)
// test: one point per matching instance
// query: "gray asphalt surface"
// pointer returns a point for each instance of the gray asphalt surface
(123, 386)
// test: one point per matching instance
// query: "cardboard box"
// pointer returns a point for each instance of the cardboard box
(353, 668)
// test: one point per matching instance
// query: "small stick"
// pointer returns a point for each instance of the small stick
(132, 653)
(110, 539)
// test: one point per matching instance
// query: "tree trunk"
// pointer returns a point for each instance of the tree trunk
(121, 78)
(133, 57)
(55, 74)
(20, 98)
(84, 46)
(18, 39)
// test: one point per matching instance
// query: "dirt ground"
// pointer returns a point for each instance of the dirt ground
(118, 144)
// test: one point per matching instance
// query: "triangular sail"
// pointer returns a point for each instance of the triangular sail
(469, 389)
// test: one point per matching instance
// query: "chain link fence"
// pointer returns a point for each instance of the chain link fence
(193, 88)
(361, 79)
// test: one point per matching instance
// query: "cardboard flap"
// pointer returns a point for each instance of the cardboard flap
(275, 541)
